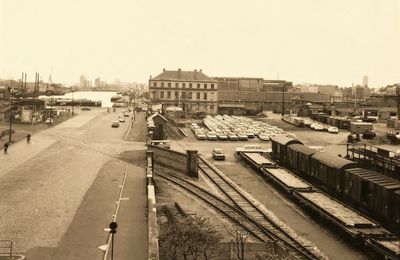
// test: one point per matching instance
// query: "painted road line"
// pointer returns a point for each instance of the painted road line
(114, 218)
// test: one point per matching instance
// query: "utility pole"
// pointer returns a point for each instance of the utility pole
(283, 99)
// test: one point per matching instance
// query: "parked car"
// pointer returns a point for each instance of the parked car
(218, 154)
(122, 119)
(222, 136)
(86, 109)
(200, 135)
(263, 137)
(115, 124)
(242, 136)
(369, 134)
(318, 127)
(233, 137)
(212, 136)
(333, 130)
(49, 120)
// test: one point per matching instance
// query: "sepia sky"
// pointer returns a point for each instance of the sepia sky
(316, 41)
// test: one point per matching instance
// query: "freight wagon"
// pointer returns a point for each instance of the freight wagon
(376, 193)
(371, 191)
(361, 229)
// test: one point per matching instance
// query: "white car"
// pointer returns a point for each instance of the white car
(263, 137)
(200, 135)
(333, 130)
(211, 136)
(318, 127)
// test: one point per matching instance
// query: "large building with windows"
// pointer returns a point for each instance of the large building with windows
(193, 91)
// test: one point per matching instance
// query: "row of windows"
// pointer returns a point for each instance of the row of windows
(183, 85)
(197, 107)
(188, 96)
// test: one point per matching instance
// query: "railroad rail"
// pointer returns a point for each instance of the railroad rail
(236, 216)
(233, 196)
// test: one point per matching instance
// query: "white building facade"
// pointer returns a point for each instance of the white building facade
(193, 91)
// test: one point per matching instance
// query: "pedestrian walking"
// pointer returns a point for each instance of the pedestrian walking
(28, 138)
(5, 148)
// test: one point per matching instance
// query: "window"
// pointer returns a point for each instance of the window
(177, 85)
(198, 85)
(183, 94)
(211, 96)
(190, 95)
(162, 84)
(168, 94)
(169, 84)
(190, 85)
(198, 95)
(176, 94)
(212, 107)
(212, 86)
(205, 95)
(183, 85)
(161, 94)
(154, 84)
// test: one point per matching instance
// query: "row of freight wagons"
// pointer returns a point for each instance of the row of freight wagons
(374, 193)
(339, 122)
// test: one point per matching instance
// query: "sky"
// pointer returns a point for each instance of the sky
(316, 41)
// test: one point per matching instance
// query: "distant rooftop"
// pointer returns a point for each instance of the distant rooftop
(182, 75)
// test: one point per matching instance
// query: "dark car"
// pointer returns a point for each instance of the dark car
(369, 134)
(85, 109)
(115, 124)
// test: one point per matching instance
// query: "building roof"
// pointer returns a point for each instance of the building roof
(181, 75)
(237, 78)
(284, 140)
(333, 160)
(302, 148)
(156, 115)
(230, 105)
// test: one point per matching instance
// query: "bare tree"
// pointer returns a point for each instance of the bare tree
(239, 238)
(270, 253)
(189, 238)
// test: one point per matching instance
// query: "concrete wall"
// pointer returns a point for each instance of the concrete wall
(153, 247)
(178, 162)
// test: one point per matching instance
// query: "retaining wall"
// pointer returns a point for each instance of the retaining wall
(176, 161)
(153, 246)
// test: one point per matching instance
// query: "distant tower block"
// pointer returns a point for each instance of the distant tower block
(365, 81)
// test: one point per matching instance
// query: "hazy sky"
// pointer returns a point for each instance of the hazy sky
(318, 41)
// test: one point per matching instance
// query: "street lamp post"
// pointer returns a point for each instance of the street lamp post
(72, 88)
(10, 116)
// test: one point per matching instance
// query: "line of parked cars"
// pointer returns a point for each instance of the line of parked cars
(235, 128)
(304, 122)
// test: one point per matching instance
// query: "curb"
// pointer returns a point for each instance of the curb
(127, 131)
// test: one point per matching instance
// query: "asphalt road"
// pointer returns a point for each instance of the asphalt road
(59, 192)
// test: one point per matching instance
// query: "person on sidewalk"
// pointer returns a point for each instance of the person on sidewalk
(28, 138)
(5, 148)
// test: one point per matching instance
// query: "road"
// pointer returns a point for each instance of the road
(60, 191)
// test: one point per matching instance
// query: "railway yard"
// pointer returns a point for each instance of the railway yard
(274, 199)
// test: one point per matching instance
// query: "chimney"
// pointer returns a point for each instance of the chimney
(163, 70)
(179, 72)
(195, 74)
(201, 70)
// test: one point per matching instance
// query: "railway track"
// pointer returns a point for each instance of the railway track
(232, 213)
(235, 198)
